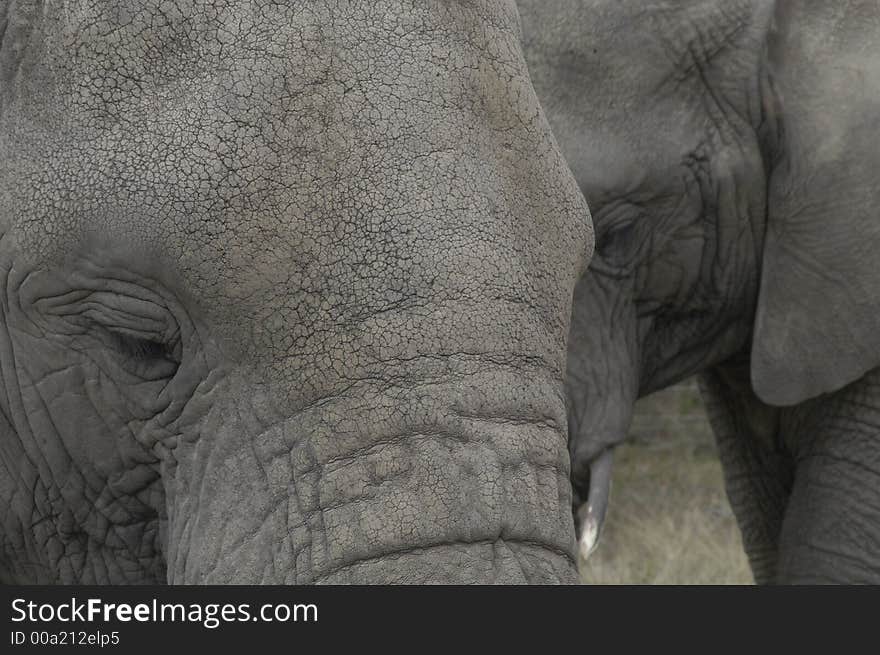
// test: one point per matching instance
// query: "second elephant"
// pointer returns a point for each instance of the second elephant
(730, 155)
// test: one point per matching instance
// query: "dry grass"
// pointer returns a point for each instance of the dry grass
(669, 521)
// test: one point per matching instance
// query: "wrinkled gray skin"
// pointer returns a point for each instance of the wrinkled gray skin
(285, 295)
(730, 152)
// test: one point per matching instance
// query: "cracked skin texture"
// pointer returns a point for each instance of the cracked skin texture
(285, 295)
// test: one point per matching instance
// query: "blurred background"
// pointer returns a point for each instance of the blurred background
(669, 521)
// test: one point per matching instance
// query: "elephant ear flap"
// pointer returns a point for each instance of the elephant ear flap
(817, 324)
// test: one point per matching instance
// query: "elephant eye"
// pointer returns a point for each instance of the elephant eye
(139, 335)
(615, 239)
(143, 353)
(140, 348)
(145, 356)
(617, 245)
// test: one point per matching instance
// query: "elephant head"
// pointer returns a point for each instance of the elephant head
(729, 153)
(285, 295)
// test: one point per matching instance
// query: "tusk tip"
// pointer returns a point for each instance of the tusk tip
(589, 538)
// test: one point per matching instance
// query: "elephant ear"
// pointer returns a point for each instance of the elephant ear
(817, 325)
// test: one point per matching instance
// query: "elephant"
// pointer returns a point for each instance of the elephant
(286, 292)
(729, 153)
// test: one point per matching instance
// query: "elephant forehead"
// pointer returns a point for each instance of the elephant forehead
(106, 54)
(299, 115)
(330, 158)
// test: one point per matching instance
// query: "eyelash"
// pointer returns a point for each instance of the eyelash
(142, 350)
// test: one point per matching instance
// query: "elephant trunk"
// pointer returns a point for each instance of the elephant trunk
(441, 481)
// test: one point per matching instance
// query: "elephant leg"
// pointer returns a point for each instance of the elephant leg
(757, 468)
(831, 532)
